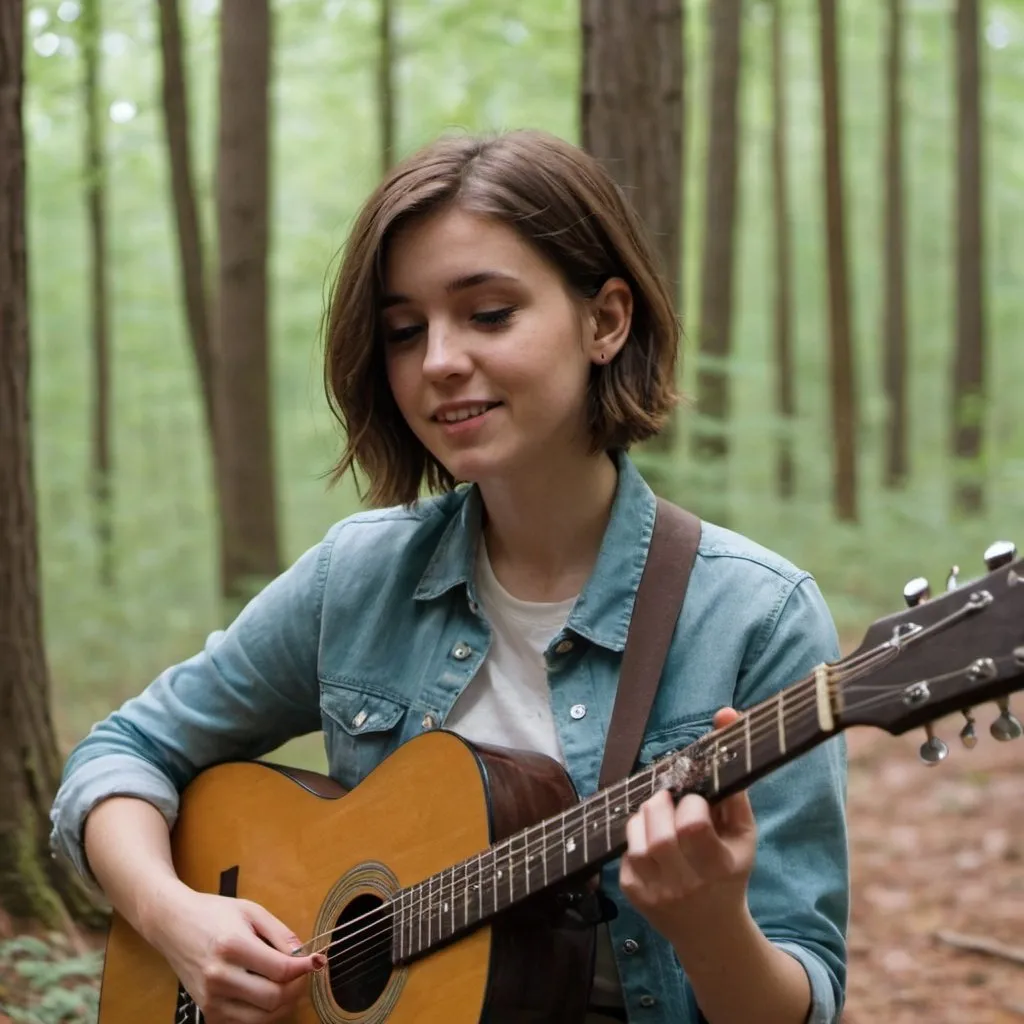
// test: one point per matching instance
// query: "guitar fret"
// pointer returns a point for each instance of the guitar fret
(780, 701)
(511, 875)
(495, 878)
(544, 852)
(565, 847)
(607, 820)
(479, 887)
(586, 831)
(430, 910)
(419, 916)
(746, 738)
(449, 907)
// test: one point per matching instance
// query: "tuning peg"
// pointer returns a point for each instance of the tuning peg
(968, 736)
(953, 579)
(917, 590)
(1007, 726)
(1001, 553)
(933, 750)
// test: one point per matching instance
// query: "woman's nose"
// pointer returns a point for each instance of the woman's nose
(445, 356)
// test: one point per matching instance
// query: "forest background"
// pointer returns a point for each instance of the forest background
(840, 202)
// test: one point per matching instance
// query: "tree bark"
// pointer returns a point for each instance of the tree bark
(249, 536)
(174, 100)
(95, 189)
(386, 85)
(842, 367)
(191, 259)
(894, 326)
(785, 377)
(710, 434)
(632, 117)
(968, 410)
(32, 885)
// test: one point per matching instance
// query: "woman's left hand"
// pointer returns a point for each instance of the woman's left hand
(688, 856)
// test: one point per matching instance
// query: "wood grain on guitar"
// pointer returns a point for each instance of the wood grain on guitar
(441, 887)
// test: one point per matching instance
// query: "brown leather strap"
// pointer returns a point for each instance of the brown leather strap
(659, 599)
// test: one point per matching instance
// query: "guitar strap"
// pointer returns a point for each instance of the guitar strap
(659, 599)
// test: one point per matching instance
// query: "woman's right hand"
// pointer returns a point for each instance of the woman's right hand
(233, 957)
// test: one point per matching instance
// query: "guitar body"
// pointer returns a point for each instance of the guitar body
(312, 854)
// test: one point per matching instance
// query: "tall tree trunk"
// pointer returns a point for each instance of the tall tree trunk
(968, 411)
(710, 433)
(32, 885)
(174, 100)
(894, 327)
(249, 530)
(191, 260)
(785, 386)
(843, 370)
(95, 187)
(386, 85)
(632, 114)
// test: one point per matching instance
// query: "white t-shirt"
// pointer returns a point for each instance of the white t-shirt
(508, 704)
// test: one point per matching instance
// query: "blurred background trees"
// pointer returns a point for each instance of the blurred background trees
(834, 189)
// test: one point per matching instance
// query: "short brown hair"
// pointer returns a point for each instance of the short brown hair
(562, 202)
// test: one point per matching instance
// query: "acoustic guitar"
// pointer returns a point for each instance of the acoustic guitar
(449, 887)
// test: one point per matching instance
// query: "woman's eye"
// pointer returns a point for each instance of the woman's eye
(396, 335)
(495, 317)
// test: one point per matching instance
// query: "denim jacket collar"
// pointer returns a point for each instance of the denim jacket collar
(602, 611)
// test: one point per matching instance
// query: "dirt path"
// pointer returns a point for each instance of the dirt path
(935, 849)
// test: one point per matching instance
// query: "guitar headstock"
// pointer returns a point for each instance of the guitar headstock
(942, 654)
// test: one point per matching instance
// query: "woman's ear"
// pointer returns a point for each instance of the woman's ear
(610, 318)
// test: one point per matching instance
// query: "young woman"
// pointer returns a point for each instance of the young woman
(499, 335)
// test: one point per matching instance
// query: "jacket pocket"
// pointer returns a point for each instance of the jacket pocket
(360, 728)
(674, 737)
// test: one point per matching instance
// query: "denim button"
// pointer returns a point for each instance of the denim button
(630, 946)
(647, 1002)
(578, 710)
(461, 651)
(429, 721)
(474, 607)
(564, 647)
(359, 719)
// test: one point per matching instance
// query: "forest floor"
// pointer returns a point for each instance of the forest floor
(935, 852)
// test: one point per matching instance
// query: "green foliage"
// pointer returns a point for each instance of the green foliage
(471, 64)
(45, 982)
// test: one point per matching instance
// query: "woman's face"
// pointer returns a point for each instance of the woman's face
(487, 354)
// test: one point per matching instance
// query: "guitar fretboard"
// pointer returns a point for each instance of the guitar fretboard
(578, 840)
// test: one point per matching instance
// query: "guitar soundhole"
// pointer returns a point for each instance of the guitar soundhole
(359, 960)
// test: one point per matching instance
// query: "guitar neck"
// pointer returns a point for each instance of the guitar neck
(576, 842)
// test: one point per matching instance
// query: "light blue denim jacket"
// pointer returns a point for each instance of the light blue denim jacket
(372, 635)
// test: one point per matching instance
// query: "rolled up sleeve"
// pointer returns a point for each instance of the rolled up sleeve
(252, 687)
(799, 890)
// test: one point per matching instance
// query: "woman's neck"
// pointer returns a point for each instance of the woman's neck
(543, 535)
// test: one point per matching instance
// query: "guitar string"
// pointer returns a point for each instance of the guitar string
(760, 728)
(571, 818)
(384, 936)
(576, 822)
(840, 672)
(429, 904)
